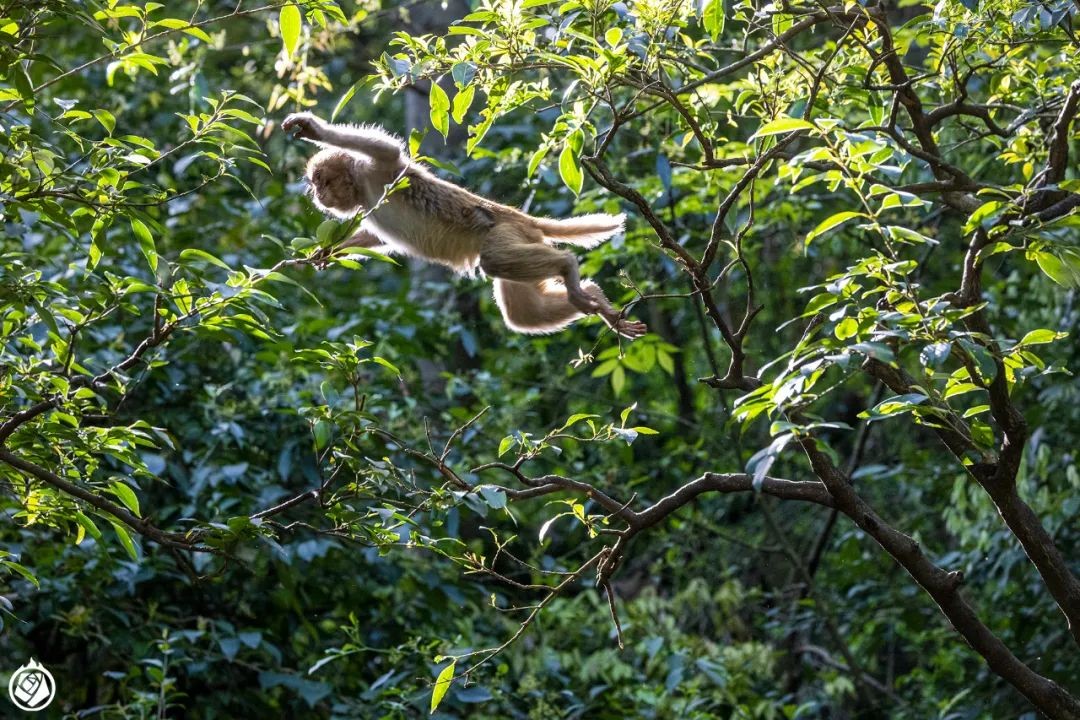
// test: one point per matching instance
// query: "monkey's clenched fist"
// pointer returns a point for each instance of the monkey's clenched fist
(302, 125)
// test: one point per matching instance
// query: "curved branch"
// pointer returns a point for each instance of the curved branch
(812, 491)
(944, 587)
(136, 523)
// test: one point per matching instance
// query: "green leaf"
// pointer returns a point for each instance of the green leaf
(146, 243)
(348, 96)
(106, 119)
(386, 364)
(985, 216)
(21, 570)
(506, 443)
(907, 235)
(934, 356)
(782, 125)
(88, 524)
(495, 499)
(961, 389)
(462, 102)
(570, 171)
(876, 350)
(613, 36)
(894, 406)
(442, 684)
(575, 419)
(440, 109)
(1056, 270)
(125, 540)
(184, 25)
(1041, 337)
(125, 494)
(536, 159)
(846, 328)
(984, 360)
(23, 83)
(618, 380)
(192, 254)
(463, 73)
(323, 432)
(290, 22)
(95, 252)
(712, 18)
(831, 222)
(241, 115)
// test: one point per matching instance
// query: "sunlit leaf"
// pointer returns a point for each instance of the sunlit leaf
(146, 242)
(570, 171)
(439, 104)
(290, 22)
(442, 684)
(782, 125)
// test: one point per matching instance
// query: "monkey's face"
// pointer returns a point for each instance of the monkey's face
(332, 182)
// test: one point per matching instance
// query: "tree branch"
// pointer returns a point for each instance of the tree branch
(943, 587)
(807, 491)
(136, 523)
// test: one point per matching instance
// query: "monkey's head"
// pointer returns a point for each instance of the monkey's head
(334, 187)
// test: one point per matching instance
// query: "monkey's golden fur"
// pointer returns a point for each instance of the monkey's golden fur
(537, 286)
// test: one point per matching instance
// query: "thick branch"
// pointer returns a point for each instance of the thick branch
(960, 107)
(1049, 697)
(807, 491)
(1059, 141)
(999, 481)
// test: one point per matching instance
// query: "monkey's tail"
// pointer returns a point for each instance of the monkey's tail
(585, 231)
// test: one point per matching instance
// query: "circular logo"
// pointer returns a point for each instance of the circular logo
(32, 687)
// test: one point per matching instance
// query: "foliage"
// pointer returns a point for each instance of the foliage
(237, 481)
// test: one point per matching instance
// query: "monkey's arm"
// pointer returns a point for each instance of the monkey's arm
(363, 238)
(372, 141)
(366, 239)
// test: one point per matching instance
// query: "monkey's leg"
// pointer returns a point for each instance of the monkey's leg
(538, 307)
(544, 307)
(511, 254)
(520, 254)
(614, 319)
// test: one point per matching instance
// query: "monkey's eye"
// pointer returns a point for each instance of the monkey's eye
(316, 175)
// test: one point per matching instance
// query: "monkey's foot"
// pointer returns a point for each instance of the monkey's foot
(629, 329)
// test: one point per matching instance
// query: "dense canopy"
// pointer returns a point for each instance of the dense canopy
(837, 479)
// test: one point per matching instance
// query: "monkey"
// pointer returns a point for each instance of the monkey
(538, 287)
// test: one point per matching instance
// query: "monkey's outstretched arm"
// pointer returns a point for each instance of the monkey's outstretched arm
(363, 238)
(369, 140)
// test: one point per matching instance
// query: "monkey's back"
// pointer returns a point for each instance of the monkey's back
(449, 203)
(428, 219)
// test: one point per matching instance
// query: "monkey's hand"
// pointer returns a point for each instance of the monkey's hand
(304, 126)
